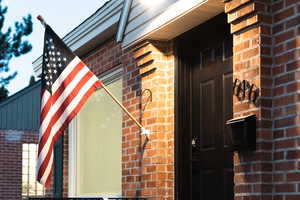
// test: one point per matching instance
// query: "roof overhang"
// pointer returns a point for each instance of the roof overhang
(179, 18)
(99, 27)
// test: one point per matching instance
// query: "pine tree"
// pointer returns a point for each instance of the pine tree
(31, 80)
(12, 45)
(3, 93)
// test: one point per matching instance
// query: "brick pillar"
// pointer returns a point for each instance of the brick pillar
(251, 28)
(286, 54)
(148, 165)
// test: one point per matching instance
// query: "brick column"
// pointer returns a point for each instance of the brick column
(251, 28)
(286, 54)
(148, 165)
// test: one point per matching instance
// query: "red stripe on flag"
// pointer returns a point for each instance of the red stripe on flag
(64, 125)
(61, 109)
(45, 162)
(67, 80)
(48, 181)
(60, 90)
(77, 109)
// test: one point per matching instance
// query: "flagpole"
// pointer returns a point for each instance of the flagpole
(43, 22)
(143, 130)
(123, 108)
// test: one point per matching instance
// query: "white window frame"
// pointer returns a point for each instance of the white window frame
(107, 78)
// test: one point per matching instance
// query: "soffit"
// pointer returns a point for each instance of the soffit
(177, 19)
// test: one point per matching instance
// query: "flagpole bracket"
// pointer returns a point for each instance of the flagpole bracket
(145, 131)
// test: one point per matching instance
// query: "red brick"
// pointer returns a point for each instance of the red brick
(278, 28)
(288, 56)
(285, 188)
(292, 66)
(292, 197)
(292, 22)
(284, 122)
(277, 6)
(293, 154)
(231, 5)
(284, 14)
(282, 144)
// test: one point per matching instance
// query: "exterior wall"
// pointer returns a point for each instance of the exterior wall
(11, 161)
(250, 25)
(147, 164)
(286, 118)
(21, 111)
(266, 52)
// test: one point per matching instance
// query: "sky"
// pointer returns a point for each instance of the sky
(61, 15)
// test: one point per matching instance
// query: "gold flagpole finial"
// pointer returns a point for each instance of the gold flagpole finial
(41, 19)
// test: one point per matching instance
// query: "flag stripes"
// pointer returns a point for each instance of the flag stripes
(69, 92)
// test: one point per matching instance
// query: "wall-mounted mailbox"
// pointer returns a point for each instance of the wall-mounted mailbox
(243, 131)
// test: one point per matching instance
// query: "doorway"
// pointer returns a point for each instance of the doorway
(204, 162)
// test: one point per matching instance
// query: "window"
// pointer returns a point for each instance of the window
(30, 187)
(95, 139)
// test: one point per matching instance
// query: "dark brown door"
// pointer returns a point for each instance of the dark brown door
(204, 164)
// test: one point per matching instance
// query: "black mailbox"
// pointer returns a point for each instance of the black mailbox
(243, 130)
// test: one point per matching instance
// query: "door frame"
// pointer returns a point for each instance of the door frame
(183, 121)
(182, 100)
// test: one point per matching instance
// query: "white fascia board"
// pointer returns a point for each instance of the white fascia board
(178, 12)
(96, 26)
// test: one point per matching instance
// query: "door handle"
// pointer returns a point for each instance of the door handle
(194, 142)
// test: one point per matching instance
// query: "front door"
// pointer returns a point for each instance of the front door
(204, 103)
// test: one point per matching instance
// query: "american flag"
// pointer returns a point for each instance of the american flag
(66, 84)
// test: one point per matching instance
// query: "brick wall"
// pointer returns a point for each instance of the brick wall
(11, 162)
(286, 118)
(147, 163)
(251, 28)
(265, 52)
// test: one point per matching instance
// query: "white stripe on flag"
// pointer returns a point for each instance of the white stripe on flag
(48, 170)
(65, 73)
(65, 114)
(46, 96)
(55, 105)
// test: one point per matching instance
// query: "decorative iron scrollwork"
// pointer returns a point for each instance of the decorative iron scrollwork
(243, 90)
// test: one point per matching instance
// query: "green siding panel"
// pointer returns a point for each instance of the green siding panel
(22, 110)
